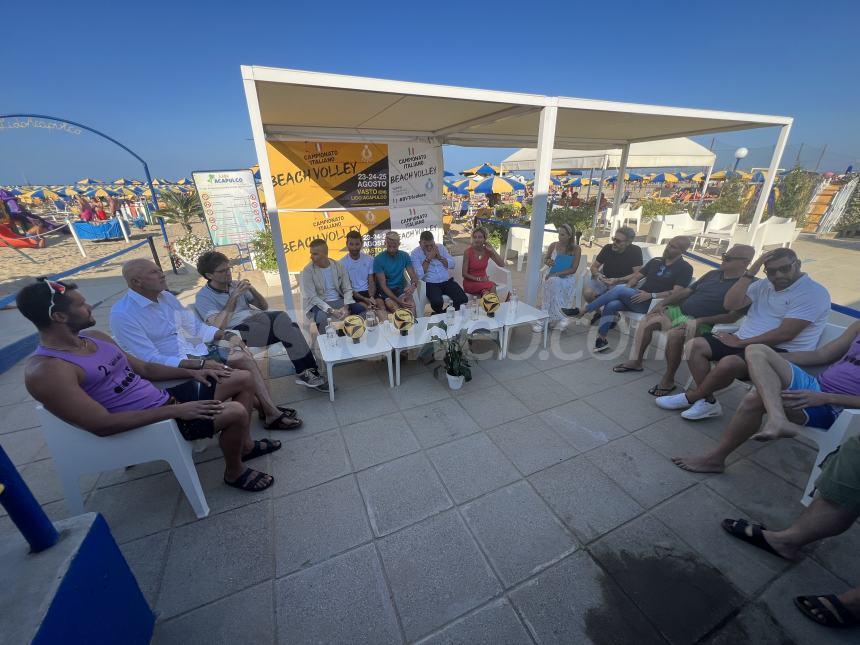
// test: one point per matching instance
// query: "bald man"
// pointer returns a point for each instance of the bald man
(151, 324)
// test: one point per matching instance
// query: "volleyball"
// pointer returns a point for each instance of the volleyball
(490, 303)
(353, 326)
(403, 320)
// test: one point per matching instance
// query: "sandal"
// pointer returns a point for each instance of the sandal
(252, 481)
(262, 447)
(622, 369)
(661, 391)
(290, 412)
(749, 533)
(284, 422)
(835, 615)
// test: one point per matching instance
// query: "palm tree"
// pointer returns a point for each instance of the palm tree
(180, 208)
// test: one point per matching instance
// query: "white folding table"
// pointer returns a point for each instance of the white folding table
(373, 343)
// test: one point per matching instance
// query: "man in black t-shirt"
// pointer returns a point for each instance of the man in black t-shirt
(662, 276)
(615, 263)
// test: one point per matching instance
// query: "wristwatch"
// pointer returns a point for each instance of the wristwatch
(202, 364)
(749, 275)
(653, 296)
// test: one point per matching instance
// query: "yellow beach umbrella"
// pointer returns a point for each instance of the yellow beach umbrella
(86, 181)
(483, 169)
(125, 191)
(469, 183)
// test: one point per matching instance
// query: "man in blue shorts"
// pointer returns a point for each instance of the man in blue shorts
(789, 395)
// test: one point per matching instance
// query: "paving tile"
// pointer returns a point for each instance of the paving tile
(495, 624)
(309, 461)
(518, 531)
(18, 417)
(436, 573)
(54, 510)
(585, 498)
(576, 602)
(753, 624)
(419, 390)
(24, 446)
(562, 349)
(352, 405)
(587, 377)
(440, 422)
(582, 426)
(378, 440)
(761, 495)
(472, 466)
(317, 415)
(146, 559)
(216, 557)
(646, 475)
(137, 508)
(481, 380)
(342, 600)
(695, 516)
(509, 369)
(219, 496)
(317, 523)
(839, 555)
(675, 437)
(680, 592)
(789, 459)
(630, 405)
(401, 492)
(137, 471)
(493, 406)
(806, 579)
(244, 617)
(12, 393)
(715, 427)
(285, 391)
(538, 392)
(531, 444)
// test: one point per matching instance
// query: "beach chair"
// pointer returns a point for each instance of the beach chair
(77, 452)
(665, 227)
(720, 228)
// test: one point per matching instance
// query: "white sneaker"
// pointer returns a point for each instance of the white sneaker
(673, 402)
(701, 409)
(562, 324)
(537, 328)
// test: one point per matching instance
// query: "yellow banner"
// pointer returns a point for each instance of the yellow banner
(328, 174)
(299, 228)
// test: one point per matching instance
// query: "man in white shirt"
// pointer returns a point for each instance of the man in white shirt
(788, 312)
(359, 266)
(433, 264)
(151, 324)
(326, 289)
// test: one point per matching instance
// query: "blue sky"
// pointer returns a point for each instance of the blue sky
(164, 78)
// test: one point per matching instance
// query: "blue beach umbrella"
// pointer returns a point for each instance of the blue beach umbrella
(448, 173)
(448, 187)
(498, 185)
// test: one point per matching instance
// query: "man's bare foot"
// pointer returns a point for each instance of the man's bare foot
(700, 464)
(776, 429)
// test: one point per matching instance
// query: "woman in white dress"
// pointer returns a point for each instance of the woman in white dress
(559, 287)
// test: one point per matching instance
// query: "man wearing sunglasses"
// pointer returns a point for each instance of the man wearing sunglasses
(788, 312)
(614, 265)
(88, 381)
(688, 312)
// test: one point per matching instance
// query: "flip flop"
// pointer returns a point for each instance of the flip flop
(262, 447)
(738, 529)
(813, 608)
(661, 391)
(622, 369)
(279, 423)
(248, 481)
(290, 412)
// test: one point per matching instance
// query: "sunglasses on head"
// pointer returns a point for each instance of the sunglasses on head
(55, 288)
(786, 268)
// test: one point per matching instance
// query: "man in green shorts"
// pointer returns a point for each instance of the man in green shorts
(833, 511)
(687, 312)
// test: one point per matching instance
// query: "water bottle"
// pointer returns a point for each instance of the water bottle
(515, 301)
(370, 320)
(473, 307)
(449, 314)
(331, 335)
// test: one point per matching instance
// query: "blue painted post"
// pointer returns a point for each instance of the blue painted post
(160, 220)
(23, 508)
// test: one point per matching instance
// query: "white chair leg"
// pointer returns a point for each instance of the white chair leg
(71, 483)
(186, 474)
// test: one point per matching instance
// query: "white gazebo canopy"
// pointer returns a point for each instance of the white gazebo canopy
(288, 104)
(666, 153)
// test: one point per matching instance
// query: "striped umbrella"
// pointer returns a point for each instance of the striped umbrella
(483, 169)
(122, 181)
(498, 185)
(42, 193)
(450, 189)
(469, 183)
(86, 181)
(582, 181)
(628, 176)
(448, 173)
(667, 177)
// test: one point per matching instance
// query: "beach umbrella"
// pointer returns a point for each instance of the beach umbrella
(13, 192)
(43, 193)
(448, 173)
(699, 176)
(628, 176)
(582, 181)
(187, 182)
(469, 183)
(758, 177)
(558, 173)
(484, 169)
(101, 191)
(86, 181)
(69, 191)
(126, 191)
(122, 181)
(667, 177)
(449, 188)
(498, 185)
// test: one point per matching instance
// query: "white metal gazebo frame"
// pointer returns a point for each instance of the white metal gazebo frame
(285, 104)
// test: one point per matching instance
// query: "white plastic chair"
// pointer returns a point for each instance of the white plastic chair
(77, 452)
(720, 228)
(846, 426)
(664, 227)
(421, 301)
(519, 242)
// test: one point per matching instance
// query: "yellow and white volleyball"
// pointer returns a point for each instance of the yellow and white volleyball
(490, 303)
(353, 326)
(403, 320)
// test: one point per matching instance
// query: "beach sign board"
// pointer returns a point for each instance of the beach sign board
(231, 206)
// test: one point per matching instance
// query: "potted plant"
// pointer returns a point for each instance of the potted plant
(454, 353)
(263, 252)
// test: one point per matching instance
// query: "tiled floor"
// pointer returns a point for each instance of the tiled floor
(537, 505)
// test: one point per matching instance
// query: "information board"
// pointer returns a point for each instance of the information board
(231, 205)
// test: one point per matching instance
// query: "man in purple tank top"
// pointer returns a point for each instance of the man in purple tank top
(789, 395)
(88, 381)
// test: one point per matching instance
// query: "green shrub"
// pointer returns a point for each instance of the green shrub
(731, 200)
(651, 208)
(263, 248)
(795, 192)
(579, 218)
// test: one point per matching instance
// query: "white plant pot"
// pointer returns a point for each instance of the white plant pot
(455, 382)
(272, 278)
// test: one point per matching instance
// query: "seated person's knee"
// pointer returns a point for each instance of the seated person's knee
(752, 401)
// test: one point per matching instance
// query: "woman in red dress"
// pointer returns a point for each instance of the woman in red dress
(475, 261)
